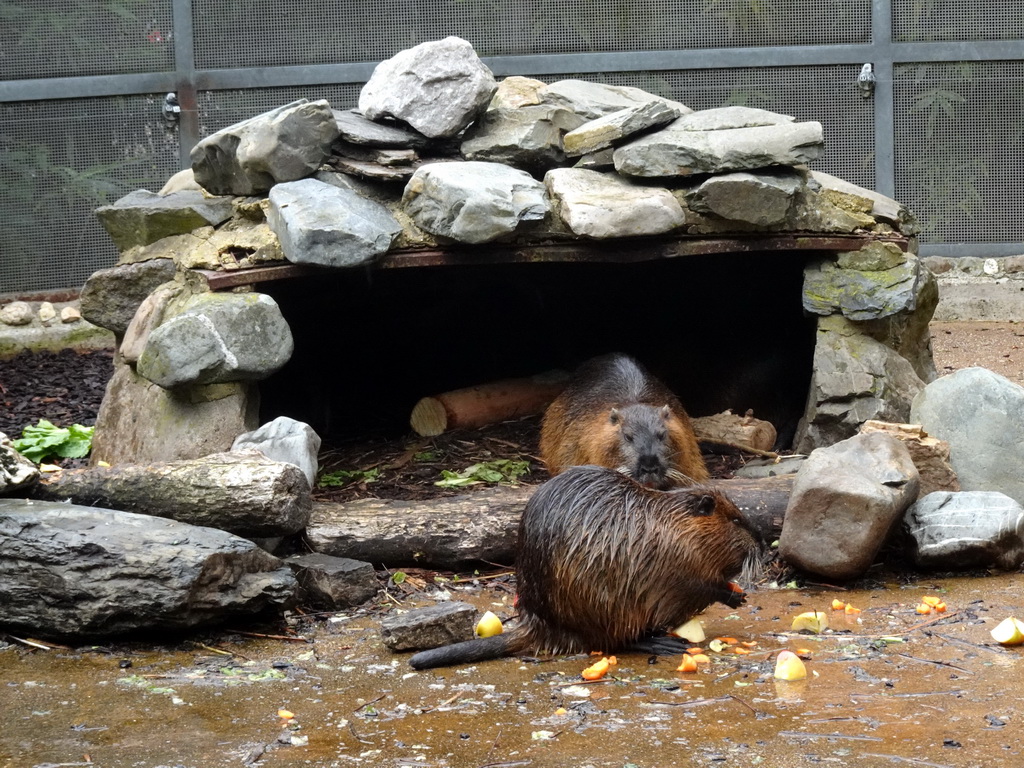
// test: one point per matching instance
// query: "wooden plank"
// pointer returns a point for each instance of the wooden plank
(620, 251)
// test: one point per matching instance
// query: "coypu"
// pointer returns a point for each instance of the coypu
(606, 564)
(613, 413)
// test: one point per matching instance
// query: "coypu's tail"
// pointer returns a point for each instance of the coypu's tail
(465, 652)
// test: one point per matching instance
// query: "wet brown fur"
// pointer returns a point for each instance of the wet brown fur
(613, 413)
(604, 561)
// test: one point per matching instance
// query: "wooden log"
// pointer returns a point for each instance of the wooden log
(740, 431)
(486, 403)
(461, 531)
(761, 501)
(451, 532)
(242, 492)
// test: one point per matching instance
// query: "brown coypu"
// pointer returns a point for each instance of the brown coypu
(613, 413)
(604, 564)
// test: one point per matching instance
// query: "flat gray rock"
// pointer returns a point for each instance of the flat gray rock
(845, 501)
(725, 118)
(957, 531)
(68, 570)
(430, 627)
(110, 297)
(217, 338)
(318, 223)
(437, 87)
(604, 205)
(763, 199)
(285, 439)
(333, 582)
(357, 129)
(593, 100)
(679, 150)
(143, 217)
(284, 144)
(605, 131)
(529, 138)
(473, 202)
(981, 415)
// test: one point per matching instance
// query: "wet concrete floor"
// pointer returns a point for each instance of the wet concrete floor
(889, 687)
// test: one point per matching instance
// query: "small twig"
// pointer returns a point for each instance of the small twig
(211, 649)
(507, 765)
(802, 735)
(692, 703)
(937, 619)
(936, 663)
(744, 703)
(739, 447)
(969, 644)
(38, 644)
(287, 638)
(911, 695)
(911, 760)
(484, 578)
(368, 703)
(359, 738)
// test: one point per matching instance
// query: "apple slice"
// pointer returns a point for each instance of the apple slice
(489, 625)
(691, 631)
(1009, 632)
(811, 621)
(788, 666)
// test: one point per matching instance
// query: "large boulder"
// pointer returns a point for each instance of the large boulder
(437, 87)
(218, 338)
(473, 202)
(284, 144)
(140, 422)
(68, 570)
(956, 531)
(603, 205)
(855, 379)
(143, 217)
(845, 501)
(981, 415)
(318, 223)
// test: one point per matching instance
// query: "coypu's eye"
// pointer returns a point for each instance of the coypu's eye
(660, 436)
(627, 436)
(705, 506)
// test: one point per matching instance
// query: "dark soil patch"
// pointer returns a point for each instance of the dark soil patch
(63, 387)
(67, 388)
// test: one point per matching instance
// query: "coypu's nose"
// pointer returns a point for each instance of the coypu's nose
(648, 463)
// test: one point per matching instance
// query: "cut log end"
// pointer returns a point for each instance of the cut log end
(429, 418)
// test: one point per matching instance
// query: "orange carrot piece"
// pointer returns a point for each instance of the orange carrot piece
(596, 671)
(851, 610)
(931, 600)
(688, 664)
(837, 605)
(922, 608)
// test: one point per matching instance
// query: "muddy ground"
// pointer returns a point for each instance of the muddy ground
(887, 687)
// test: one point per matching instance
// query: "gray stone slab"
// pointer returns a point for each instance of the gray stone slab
(957, 531)
(431, 627)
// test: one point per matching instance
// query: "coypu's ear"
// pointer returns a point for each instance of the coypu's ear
(705, 506)
(665, 412)
(613, 416)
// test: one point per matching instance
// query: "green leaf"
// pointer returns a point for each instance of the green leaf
(45, 439)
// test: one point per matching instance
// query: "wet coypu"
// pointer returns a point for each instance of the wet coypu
(606, 564)
(613, 413)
